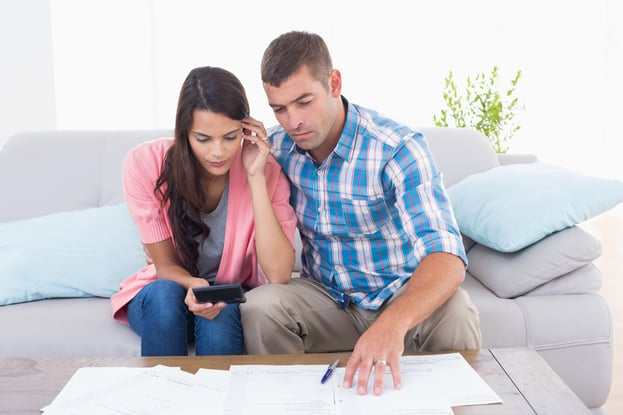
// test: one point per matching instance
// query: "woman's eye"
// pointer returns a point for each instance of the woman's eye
(202, 139)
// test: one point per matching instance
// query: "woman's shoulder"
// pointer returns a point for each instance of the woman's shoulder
(149, 151)
(152, 147)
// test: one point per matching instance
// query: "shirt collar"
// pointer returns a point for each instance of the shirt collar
(348, 137)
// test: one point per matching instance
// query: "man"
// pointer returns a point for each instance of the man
(382, 255)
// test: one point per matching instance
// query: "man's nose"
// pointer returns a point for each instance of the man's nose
(294, 120)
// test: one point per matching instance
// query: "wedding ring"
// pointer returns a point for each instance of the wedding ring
(380, 362)
(265, 138)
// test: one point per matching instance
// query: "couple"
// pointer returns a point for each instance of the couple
(382, 255)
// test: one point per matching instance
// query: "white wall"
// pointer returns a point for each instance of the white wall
(102, 63)
(27, 100)
(613, 137)
(562, 47)
(120, 64)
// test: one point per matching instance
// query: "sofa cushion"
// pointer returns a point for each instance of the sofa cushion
(510, 207)
(80, 253)
(510, 275)
(65, 327)
(586, 279)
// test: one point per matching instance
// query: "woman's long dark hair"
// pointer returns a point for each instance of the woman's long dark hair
(206, 88)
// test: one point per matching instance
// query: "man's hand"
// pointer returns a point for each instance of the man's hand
(379, 346)
(384, 340)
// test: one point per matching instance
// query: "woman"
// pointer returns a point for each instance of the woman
(211, 207)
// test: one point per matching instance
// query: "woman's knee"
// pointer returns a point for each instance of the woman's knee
(160, 303)
(163, 293)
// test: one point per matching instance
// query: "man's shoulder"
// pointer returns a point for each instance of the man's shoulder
(376, 125)
(281, 142)
(275, 129)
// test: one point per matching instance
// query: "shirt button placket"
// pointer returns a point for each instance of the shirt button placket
(321, 185)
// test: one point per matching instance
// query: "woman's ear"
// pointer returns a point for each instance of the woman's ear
(335, 83)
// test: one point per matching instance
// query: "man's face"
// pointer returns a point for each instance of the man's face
(308, 110)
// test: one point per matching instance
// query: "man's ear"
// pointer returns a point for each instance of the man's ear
(335, 83)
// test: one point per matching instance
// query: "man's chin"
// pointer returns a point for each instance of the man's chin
(306, 145)
(305, 141)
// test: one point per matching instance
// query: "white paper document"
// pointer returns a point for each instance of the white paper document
(275, 390)
(139, 391)
(431, 385)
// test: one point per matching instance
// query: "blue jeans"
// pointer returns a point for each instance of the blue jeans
(159, 315)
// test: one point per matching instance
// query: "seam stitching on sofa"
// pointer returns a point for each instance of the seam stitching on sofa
(604, 340)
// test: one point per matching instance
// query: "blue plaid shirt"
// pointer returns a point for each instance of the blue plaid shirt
(371, 211)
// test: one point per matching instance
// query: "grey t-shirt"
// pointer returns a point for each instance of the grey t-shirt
(211, 250)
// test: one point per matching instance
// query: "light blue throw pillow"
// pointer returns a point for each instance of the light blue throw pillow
(84, 253)
(510, 207)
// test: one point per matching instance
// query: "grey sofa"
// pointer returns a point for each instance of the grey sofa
(563, 317)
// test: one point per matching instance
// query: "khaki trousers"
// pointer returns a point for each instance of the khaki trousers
(301, 317)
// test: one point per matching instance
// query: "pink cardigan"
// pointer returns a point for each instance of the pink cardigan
(239, 262)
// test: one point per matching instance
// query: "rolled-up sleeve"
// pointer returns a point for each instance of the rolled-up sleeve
(422, 201)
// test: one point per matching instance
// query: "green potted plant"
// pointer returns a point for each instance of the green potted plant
(482, 108)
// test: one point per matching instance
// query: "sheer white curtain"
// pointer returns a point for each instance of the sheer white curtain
(120, 64)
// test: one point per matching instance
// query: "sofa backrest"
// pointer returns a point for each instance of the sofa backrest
(459, 152)
(51, 171)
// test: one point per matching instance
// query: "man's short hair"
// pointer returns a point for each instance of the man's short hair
(286, 54)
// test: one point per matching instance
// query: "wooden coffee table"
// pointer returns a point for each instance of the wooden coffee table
(523, 380)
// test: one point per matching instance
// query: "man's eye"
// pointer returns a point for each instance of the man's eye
(277, 110)
(231, 137)
(305, 102)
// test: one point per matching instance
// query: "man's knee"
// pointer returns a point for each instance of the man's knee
(268, 323)
(461, 321)
(260, 299)
(263, 304)
(459, 307)
(453, 326)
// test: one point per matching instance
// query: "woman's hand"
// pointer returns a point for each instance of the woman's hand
(255, 148)
(162, 254)
(205, 310)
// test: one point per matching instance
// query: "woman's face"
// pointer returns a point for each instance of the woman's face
(215, 140)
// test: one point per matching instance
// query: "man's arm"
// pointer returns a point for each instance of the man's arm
(432, 283)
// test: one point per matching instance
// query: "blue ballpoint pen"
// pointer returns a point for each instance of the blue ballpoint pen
(329, 371)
